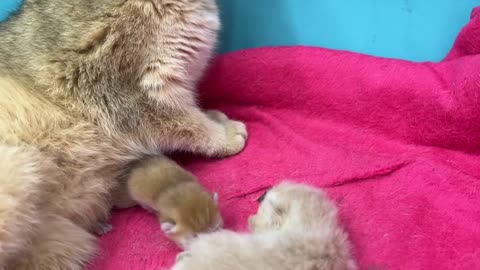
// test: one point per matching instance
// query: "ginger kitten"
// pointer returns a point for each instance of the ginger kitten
(183, 206)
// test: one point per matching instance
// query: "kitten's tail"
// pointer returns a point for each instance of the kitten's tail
(19, 199)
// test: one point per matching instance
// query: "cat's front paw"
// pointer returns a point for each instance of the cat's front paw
(235, 132)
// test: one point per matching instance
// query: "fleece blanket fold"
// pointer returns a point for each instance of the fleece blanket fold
(396, 144)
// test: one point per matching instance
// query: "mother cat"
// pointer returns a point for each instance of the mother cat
(86, 88)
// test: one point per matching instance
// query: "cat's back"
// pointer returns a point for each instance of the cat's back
(29, 119)
(25, 115)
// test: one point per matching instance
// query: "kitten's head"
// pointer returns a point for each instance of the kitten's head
(292, 206)
(189, 212)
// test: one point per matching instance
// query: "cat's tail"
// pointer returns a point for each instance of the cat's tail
(19, 199)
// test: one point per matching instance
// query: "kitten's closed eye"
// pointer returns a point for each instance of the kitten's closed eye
(278, 210)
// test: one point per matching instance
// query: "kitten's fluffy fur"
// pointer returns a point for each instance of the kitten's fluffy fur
(296, 228)
(86, 88)
(183, 206)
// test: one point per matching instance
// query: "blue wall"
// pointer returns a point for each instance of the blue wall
(7, 6)
(409, 29)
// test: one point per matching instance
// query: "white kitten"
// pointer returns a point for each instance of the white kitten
(295, 228)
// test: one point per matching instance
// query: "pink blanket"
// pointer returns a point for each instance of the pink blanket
(396, 144)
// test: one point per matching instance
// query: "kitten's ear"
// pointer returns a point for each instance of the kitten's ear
(215, 197)
(168, 227)
(261, 198)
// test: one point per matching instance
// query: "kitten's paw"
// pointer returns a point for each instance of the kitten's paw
(236, 133)
(102, 228)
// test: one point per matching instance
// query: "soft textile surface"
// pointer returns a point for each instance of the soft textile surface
(396, 144)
